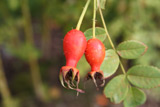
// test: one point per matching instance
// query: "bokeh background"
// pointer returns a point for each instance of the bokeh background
(31, 52)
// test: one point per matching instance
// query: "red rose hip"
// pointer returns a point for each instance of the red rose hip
(74, 45)
(95, 54)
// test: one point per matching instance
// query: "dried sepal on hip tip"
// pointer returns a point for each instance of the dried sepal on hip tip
(103, 83)
(74, 77)
(94, 80)
(62, 79)
(95, 76)
(67, 76)
(76, 89)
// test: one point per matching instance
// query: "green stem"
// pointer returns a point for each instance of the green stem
(109, 38)
(46, 35)
(121, 65)
(94, 19)
(7, 99)
(32, 60)
(82, 15)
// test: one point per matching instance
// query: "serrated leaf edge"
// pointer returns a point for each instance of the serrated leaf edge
(98, 28)
(145, 50)
(140, 91)
(143, 66)
(117, 66)
(125, 77)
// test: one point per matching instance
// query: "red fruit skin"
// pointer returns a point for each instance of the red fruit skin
(95, 54)
(74, 45)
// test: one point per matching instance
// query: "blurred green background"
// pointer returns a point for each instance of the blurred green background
(31, 52)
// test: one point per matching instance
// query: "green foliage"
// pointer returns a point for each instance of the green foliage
(126, 20)
(131, 49)
(117, 89)
(110, 63)
(83, 66)
(11, 103)
(144, 76)
(135, 97)
(13, 4)
(24, 51)
(100, 33)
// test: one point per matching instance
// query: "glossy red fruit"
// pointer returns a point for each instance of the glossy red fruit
(95, 54)
(74, 45)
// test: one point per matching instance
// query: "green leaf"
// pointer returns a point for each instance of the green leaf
(83, 66)
(110, 63)
(131, 49)
(144, 76)
(100, 33)
(117, 89)
(135, 97)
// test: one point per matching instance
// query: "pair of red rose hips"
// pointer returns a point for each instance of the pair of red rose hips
(74, 46)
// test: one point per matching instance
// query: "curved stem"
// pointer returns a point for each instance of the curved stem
(121, 65)
(32, 59)
(94, 19)
(6, 96)
(105, 27)
(82, 15)
(109, 38)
